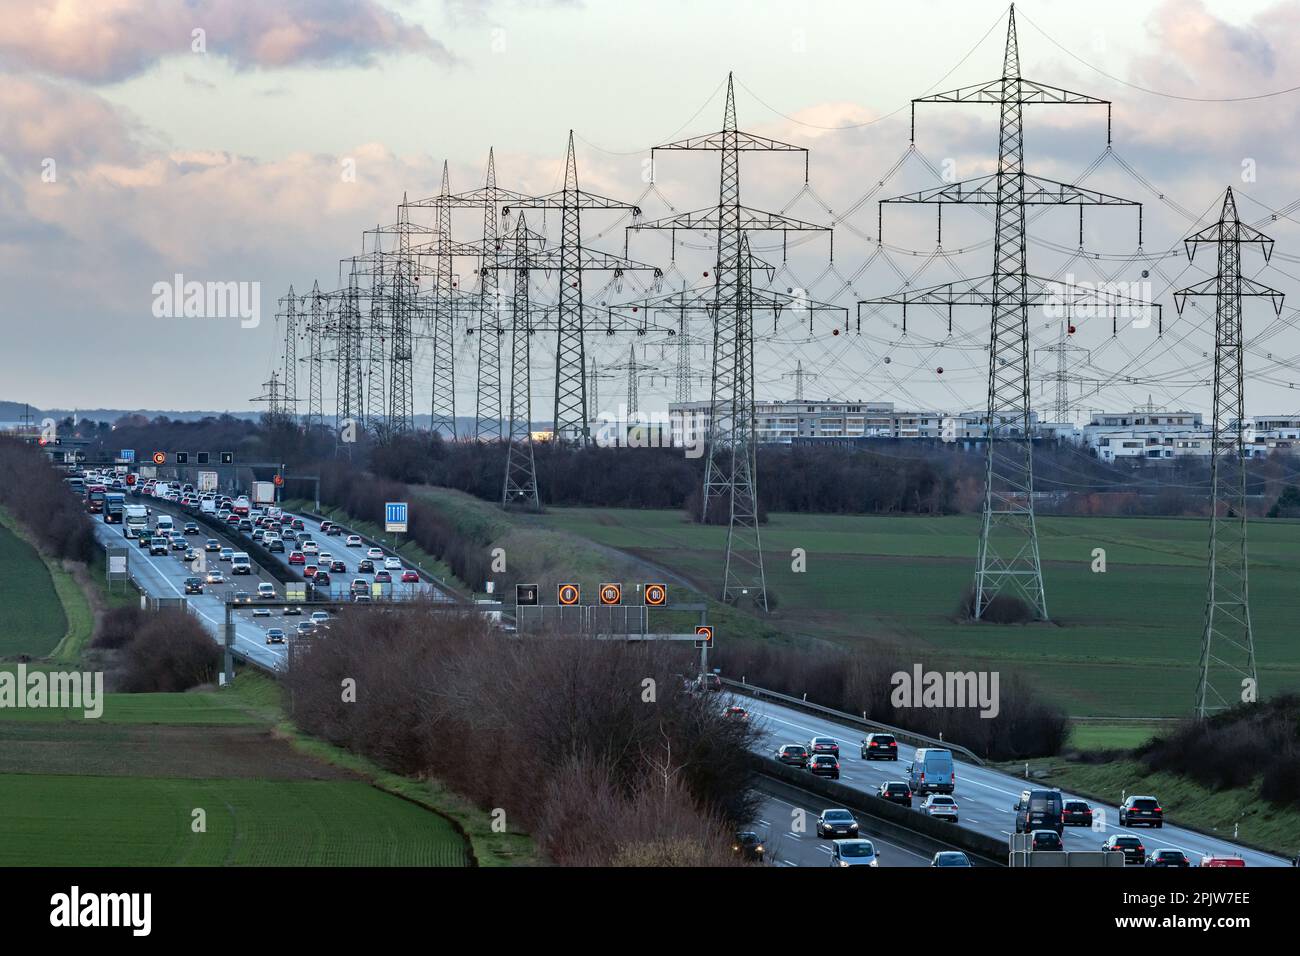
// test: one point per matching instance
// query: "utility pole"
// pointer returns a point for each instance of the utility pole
(730, 464)
(1008, 561)
(1227, 673)
(572, 410)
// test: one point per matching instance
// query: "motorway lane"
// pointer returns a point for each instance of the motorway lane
(985, 797)
(164, 576)
(779, 815)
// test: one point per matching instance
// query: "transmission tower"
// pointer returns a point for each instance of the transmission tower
(520, 488)
(376, 339)
(289, 376)
(729, 460)
(1228, 674)
(1008, 560)
(403, 316)
(1063, 350)
(799, 376)
(349, 393)
(316, 328)
(571, 405)
(636, 370)
(279, 406)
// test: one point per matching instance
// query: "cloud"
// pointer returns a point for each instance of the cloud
(111, 40)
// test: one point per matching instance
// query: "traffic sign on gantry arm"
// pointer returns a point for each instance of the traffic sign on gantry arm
(656, 595)
(611, 594)
(526, 595)
(160, 458)
(704, 635)
(568, 594)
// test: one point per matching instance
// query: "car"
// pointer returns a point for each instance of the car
(365, 566)
(266, 591)
(1076, 813)
(375, 554)
(353, 541)
(383, 577)
(193, 585)
(297, 524)
(940, 806)
(245, 525)
(257, 534)
(275, 545)
(333, 530)
(310, 547)
(854, 853)
(190, 555)
(359, 586)
(226, 554)
(212, 545)
(178, 543)
(325, 525)
(275, 635)
(1141, 810)
(824, 745)
(159, 546)
(144, 541)
(191, 527)
(291, 610)
(392, 564)
(303, 628)
(1045, 840)
(932, 771)
(824, 765)
(1039, 809)
(289, 534)
(362, 599)
(242, 597)
(1132, 848)
(232, 518)
(261, 612)
(338, 567)
(950, 858)
(410, 577)
(309, 571)
(1217, 861)
(324, 558)
(895, 791)
(1168, 857)
(216, 577)
(748, 846)
(794, 754)
(320, 617)
(322, 579)
(879, 747)
(837, 823)
(710, 682)
(297, 557)
(738, 713)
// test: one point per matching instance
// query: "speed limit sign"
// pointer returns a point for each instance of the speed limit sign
(568, 594)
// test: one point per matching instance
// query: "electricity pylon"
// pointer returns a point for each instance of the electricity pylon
(1228, 675)
(520, 487)
(316, 328)
(288, 379)
(572, 422)
(799, 376)
(729, 470)
(403, 315)
(636, 370)
(348, 392)
(376, 339)
(1063, 349)
(1008, 560)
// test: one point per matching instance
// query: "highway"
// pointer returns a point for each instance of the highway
(985, 796)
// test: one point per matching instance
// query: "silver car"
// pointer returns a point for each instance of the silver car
(854, 853)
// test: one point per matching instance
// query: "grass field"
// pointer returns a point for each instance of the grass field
(1122, 643)
(32, 621)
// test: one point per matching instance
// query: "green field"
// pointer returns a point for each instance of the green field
(1122, 643)
(58, 820)
(32, 621)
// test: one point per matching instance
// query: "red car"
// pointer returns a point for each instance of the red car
(309, 571)
(383, 577)
(410, 577)
(297, 557)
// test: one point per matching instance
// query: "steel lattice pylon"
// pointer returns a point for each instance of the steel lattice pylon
(401, 394)
(1008, 558)
(349, 393)
(520, 488)
(487, 406)
(1227, 642)
(289, 379)
(444, 364)
(729, 470)
(316, 328)
(376, 337)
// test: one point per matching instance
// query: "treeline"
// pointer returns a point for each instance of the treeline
(857, 682)
(594, 747)
(1233, 749)
(146, 652)
(36, 494)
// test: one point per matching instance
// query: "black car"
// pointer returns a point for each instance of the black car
(824, 745)
(824, 765)
(276, 545)
(895, 791)
(1039, 810)
(322, 579)
(291, 610)
(144, 541)
(1134, 852)
(212, 544)
(879, 747)
(839, 824)
(1143, 810)
(193, 585)
(191, 527)
(338, 567)
(334, 530)
(1168, 858)
(1045, 840)
(748, 846)
(794, 754)
(1076, 813)
(365, 566)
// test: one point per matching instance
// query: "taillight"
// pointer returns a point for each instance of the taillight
(874, 744)
(892, 744)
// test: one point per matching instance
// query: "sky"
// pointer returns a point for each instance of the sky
(237, 141)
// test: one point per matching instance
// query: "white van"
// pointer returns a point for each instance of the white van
(163, 523)
(240, 563)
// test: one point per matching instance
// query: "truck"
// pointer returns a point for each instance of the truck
(263, 492)
(114, 506)
(207, 481)
(136, 521)
(95, 498)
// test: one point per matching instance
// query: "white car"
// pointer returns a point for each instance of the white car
(374, 554)
(266, 591)
(854, 853)
(216, 577)
(940, 805)
(320, 617)
(392, 564)
(310, 547)
(353, 541)
(324, 558)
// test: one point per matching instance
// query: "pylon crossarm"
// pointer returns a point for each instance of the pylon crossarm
(1245, 287)
(750, 219)
(745, 142)
(570, 199)
(1037, 191)
(1029, 91)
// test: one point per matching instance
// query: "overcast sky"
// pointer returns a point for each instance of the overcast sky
(133, 148)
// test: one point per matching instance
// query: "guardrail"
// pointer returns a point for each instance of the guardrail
(762, 693)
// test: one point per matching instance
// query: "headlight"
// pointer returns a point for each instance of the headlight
(875, 863)
(853, 826)
(759, 848)
(842, 863)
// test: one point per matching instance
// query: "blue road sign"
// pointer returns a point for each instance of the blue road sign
(395, 516)
(128, 454)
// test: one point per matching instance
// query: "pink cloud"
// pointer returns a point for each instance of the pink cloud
(110, 40)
